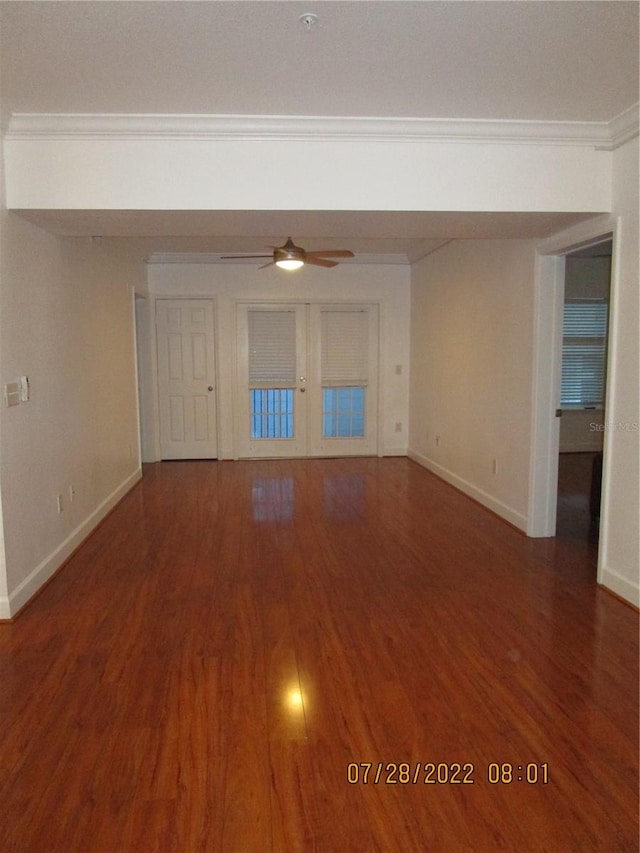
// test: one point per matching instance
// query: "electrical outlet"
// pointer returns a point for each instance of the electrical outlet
(60, 503)
(495, 466)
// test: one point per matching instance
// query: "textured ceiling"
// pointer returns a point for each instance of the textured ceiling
(572, 61)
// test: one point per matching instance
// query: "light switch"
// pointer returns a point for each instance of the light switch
(12, 394)
(24, 389)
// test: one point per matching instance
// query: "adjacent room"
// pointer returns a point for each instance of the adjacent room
(319, 461)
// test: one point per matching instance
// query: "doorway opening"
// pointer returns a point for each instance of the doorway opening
(587, 286)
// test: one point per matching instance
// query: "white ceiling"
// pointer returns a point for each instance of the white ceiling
(531, 60)
(563, 61)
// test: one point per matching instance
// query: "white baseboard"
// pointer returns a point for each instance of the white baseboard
(16, 599)
(394, 451)
(511, 515)
(621, 586)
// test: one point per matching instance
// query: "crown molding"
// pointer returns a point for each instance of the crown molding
(256, 128)
(623, 128)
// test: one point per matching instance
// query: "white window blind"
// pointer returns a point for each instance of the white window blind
(345, 347)
(272, 349)
(584, 350)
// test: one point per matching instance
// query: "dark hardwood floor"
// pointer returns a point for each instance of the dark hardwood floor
(216, 666)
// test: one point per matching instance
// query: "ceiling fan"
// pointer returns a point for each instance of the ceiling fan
(292, 257)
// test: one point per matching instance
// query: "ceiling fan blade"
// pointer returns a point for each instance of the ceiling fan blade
(238, 257)
(320, 262)
(332, 253)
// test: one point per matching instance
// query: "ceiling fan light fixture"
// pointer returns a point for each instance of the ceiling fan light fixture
(289, 257)
(290, 263)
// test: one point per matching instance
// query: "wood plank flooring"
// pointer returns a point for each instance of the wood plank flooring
(236, 635)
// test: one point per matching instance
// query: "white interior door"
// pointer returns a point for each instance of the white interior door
(307, 380)
(186, 378)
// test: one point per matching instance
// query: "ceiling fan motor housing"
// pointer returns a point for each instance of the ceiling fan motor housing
(289, 252)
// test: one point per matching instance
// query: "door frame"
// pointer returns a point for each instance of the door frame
(154, 439)
(547, 368)
(140, 334)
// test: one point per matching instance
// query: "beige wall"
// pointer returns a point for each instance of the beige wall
(471, 369)
(66, 321)
(472, 318)
(619, 536)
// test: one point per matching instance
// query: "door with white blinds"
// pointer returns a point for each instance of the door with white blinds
(343, 399)
(272, 363)
(307, 380)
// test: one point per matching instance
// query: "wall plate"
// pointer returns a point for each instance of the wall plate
(12, 394)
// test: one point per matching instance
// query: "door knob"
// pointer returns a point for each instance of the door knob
(210, 388)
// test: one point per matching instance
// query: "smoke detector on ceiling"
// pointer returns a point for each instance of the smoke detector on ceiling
(309, 20)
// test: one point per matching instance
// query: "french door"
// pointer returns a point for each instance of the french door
(307, 379)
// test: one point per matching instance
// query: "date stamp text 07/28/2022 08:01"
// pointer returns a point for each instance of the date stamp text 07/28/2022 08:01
(431, 773)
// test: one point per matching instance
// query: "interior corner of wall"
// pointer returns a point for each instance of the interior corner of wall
(622, 587)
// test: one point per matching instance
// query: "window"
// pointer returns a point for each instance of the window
(343, 412)
(584, 350)
(271, 412)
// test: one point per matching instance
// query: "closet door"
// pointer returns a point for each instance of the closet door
(186, 378)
